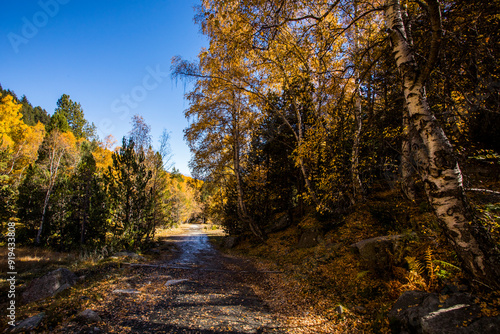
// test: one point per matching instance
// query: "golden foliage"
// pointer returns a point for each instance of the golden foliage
(103, 153)
(19, 140)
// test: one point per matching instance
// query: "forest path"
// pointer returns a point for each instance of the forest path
(197, 291)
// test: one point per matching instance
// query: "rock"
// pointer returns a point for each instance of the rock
(447, 320)
(281, 222)
(88, 316)
(49, 285)
(131, 255)
(429, 313)
(376, 253)
(340, 309)
(28, 324)
(486, 325)
(174, 281)
(308, 239)
(230, 242)
(126, 291)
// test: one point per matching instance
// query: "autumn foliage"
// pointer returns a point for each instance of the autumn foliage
(67, 190)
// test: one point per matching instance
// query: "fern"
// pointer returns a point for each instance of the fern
(430, 266)
(415, 265)
(447, 264)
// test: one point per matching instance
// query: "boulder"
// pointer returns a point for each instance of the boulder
(376, 253)
(230, 241)
(29, 324)
(88, 316)
(49, 285)
(309, 238)
(430, 313)
(281, 222)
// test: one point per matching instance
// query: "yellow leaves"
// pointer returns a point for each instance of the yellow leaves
(11, 125)
(33, 139)
(20, 140)
(60, 147)
(103, 153)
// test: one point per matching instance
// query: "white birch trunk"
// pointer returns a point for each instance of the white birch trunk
(442, 176)
(407, 171)
(357, 186)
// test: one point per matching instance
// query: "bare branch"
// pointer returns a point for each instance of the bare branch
(437, 32)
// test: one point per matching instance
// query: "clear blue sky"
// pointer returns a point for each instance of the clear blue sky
(111, 56)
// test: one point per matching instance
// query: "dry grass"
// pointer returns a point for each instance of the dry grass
(34, 262)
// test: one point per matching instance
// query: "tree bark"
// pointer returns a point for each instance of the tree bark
(242, 210)
(357, 186)
(407, 171)
(441, 175)
(42, 220)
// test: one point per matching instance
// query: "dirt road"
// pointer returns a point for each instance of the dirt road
(198, 291)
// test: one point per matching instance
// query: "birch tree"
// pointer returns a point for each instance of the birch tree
(440, 170)
(59, 149)
(316, 31)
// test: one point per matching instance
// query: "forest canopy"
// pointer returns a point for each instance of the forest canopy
(304, 108)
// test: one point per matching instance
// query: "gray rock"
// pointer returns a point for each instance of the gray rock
(131, 255)
(281, 222)
(175, 281)
(376, 253)
(88, 316)
(447, 320)
(63, 287)
(486, 325)
(308, 239)
(422, 312)
(126, 291)
(28, 324)
(230, 242)
(49, 285)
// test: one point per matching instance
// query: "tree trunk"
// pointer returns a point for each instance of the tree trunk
(441, 175)
(357, 186)
(303, 168)
(44, 211)
(242, 210)
(86, 208)
(407, 170)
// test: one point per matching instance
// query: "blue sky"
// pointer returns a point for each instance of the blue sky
(111, 56)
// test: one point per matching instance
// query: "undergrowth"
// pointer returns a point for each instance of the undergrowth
(330, 274)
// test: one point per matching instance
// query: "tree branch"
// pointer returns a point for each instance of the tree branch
(434, 11)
